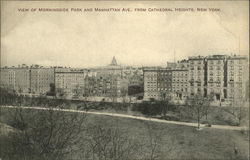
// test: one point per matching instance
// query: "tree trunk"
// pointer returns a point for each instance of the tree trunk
(198, 118)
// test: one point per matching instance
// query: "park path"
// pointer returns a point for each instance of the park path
(225, 127)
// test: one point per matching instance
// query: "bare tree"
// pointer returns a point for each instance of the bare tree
(164, 102)
(198, 107)
(108, 142)
(123, 94)
(60, 93)
(237, 110)
(154, 138)
(44, 134)
(154, 141)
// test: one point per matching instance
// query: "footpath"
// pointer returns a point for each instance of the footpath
(225, 127)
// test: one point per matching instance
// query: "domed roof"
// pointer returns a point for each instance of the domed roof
(113, 63)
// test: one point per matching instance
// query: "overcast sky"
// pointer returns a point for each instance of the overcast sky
(82, 39)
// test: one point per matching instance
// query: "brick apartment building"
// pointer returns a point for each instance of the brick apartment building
(196, 72)
(70, 82)
(8, 78)
(224, 77)
(40, 80)
(157, 83)
(27, 80)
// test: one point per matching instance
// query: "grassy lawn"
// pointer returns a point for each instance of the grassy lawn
(215, 115)
(182, 142)
(174, 141)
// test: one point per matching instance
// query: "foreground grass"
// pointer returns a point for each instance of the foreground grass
(173, 141)
(182, 142)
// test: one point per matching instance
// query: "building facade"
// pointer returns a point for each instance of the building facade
(23, 80)
(70, 83)
(41, 80)
(216, 77)
(8, 79)
(157, 83)
(27, 80)
(179, 83)
(236, 78)
(150, 83)
(164, 83)
(223, 77)
(196, 75)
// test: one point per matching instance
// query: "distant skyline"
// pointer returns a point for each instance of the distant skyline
(89, 39)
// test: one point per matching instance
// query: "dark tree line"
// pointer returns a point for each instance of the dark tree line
(52, 135)
(42, 134)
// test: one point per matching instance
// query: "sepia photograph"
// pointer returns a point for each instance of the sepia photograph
(124, 80)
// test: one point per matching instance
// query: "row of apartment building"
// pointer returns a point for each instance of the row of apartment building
(225, 77)
(109, 81)
(27, 80)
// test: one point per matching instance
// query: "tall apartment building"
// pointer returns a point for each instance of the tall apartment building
(196, 75)
(224, 77)
(150, 83)
(180, 80)
(41, 79)
(70, 83)
(164, 83)
(179, 83)
(8, 78)
(23, 80)
(216, 76)
(157, 83)
(236, 78)
(219, 75)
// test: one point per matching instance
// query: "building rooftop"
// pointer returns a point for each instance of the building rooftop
(196, 57)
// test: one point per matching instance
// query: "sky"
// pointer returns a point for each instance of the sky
(87, 39)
